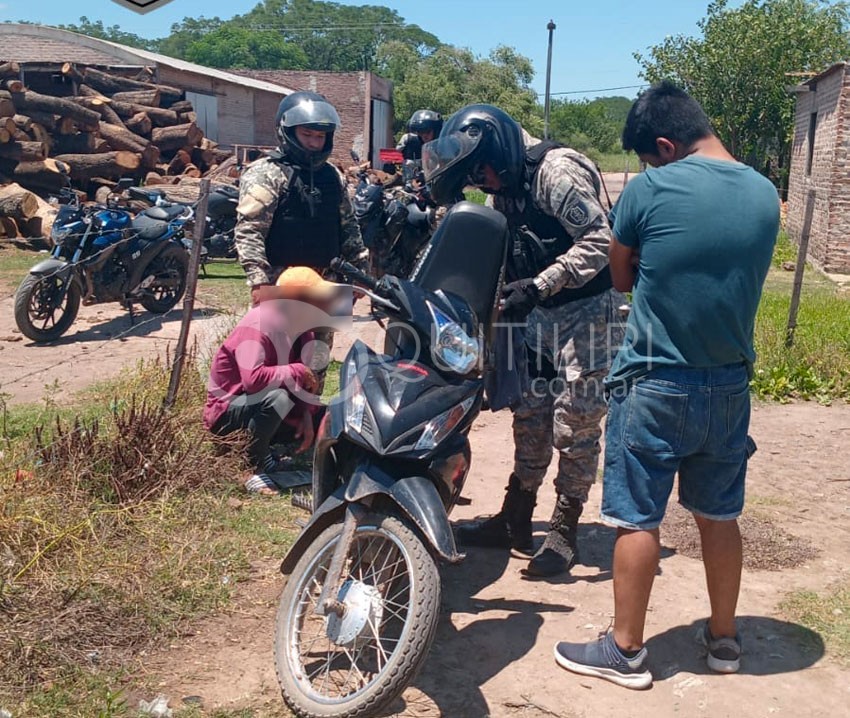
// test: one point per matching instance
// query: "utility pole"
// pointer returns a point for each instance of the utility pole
(551, 28)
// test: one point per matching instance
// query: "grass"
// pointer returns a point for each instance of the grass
(223, 286)
(14, 265)
(826, 613)
(817, 366)
(617, 162)
(114, 537)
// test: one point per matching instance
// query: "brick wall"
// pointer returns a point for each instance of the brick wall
(349, 92)
(829, 178)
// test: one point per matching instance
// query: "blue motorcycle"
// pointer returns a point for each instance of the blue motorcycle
(103, 254)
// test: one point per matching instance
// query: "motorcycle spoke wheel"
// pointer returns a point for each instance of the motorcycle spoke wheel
(343, 665)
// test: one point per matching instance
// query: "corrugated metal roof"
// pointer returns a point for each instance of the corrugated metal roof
(39, 43)
(828, 71)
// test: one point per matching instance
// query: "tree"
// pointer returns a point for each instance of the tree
(238, 47)
(739, 70)
(184, 33)
(113, 33)
(337, 37)
(585, 126)
(451, 78)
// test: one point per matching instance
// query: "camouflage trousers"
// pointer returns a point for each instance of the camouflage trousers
(570, 352)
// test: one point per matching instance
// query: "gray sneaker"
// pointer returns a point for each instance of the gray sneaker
(724, 654)
(603, 659)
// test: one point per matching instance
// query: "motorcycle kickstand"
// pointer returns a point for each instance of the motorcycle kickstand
(328, 602)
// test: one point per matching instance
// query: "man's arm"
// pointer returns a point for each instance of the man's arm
(260, 189)
(623, 261)
(566, 190)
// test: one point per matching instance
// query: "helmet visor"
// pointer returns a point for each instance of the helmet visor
(321, 115)
(447, 151)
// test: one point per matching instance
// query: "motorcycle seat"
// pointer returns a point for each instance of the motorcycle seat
(149, 228)
(165, 213)
(228, 191)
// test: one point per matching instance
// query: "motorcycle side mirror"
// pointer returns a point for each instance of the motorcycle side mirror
(125, 183)
(354, 156)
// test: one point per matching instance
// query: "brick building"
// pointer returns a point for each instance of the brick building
(233, 108)
(364, 102)
(819, 182)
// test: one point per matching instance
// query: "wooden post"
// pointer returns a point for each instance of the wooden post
(189, 296)
(802, 253)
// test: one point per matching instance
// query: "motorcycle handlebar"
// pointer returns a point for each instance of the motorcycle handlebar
(349, 271)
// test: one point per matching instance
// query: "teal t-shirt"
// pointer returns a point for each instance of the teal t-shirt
(705, 230)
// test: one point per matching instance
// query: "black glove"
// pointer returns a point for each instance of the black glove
(519, 298)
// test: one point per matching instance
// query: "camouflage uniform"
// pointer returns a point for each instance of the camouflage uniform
(261, 187)
(565, 406)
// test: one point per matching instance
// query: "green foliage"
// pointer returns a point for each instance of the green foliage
(451, 78)
(113, 33)
(587, 126)
(239, 47)
(737, 69)
(817, 366)
(334, 36)
(184, 34)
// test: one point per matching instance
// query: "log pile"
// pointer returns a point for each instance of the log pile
(112, 127)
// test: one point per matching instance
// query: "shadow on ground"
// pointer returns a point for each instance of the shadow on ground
(770, 647)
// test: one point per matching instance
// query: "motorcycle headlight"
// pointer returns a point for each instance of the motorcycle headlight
(453, 348)
(59, 233)
(355, 404)
(439, 427)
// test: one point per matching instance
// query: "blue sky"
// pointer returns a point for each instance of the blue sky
(594, 41)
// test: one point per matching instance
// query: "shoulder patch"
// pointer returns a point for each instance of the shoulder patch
(577, 213)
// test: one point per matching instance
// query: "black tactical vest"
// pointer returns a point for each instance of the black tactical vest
(306, 229)
(538, 239)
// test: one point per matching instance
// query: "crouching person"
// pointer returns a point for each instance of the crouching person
(261, 381)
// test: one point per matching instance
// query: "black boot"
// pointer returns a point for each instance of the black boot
(559, 552)
(510, 528)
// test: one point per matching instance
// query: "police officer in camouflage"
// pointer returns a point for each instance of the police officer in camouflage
(293, 207)
(423, 126)
(559, 286)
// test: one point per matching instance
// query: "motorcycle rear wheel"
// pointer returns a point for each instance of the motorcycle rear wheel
(37, 302)
(170, 269)
(355, 665)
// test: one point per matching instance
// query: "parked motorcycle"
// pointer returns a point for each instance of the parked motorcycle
(361, 601)
(102, 254)
(219, 241)
(395, 226)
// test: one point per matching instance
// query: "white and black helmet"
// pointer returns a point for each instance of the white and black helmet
(310, 110)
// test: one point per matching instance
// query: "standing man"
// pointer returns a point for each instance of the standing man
(559, 280)
(293, 208)
(423, 126)
(694, 237)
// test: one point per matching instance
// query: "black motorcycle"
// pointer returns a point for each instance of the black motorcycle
(219, 239)
(395, 226)
(102, 254)
(361, 601)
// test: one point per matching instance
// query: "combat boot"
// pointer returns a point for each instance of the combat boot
(559, 552)
(510, 528)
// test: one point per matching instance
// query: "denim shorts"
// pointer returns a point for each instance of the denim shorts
(677, 419)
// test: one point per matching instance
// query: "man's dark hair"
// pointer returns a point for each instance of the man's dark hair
(664, 110)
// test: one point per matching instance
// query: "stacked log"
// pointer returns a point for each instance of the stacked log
(115, 126)
(25, 214)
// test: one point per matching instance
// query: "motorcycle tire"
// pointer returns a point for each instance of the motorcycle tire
(378, 605)
(33, 307)
(171, 263)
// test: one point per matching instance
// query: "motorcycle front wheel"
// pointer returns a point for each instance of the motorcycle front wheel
(169, 269)
(44, 308)
(355, 664)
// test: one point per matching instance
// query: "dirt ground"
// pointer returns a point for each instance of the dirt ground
(493, 651)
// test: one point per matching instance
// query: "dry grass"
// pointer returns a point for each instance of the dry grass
(114, 531)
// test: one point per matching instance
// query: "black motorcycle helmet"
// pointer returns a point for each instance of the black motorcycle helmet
(425, 121)
(310, 110)
(474, 136)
